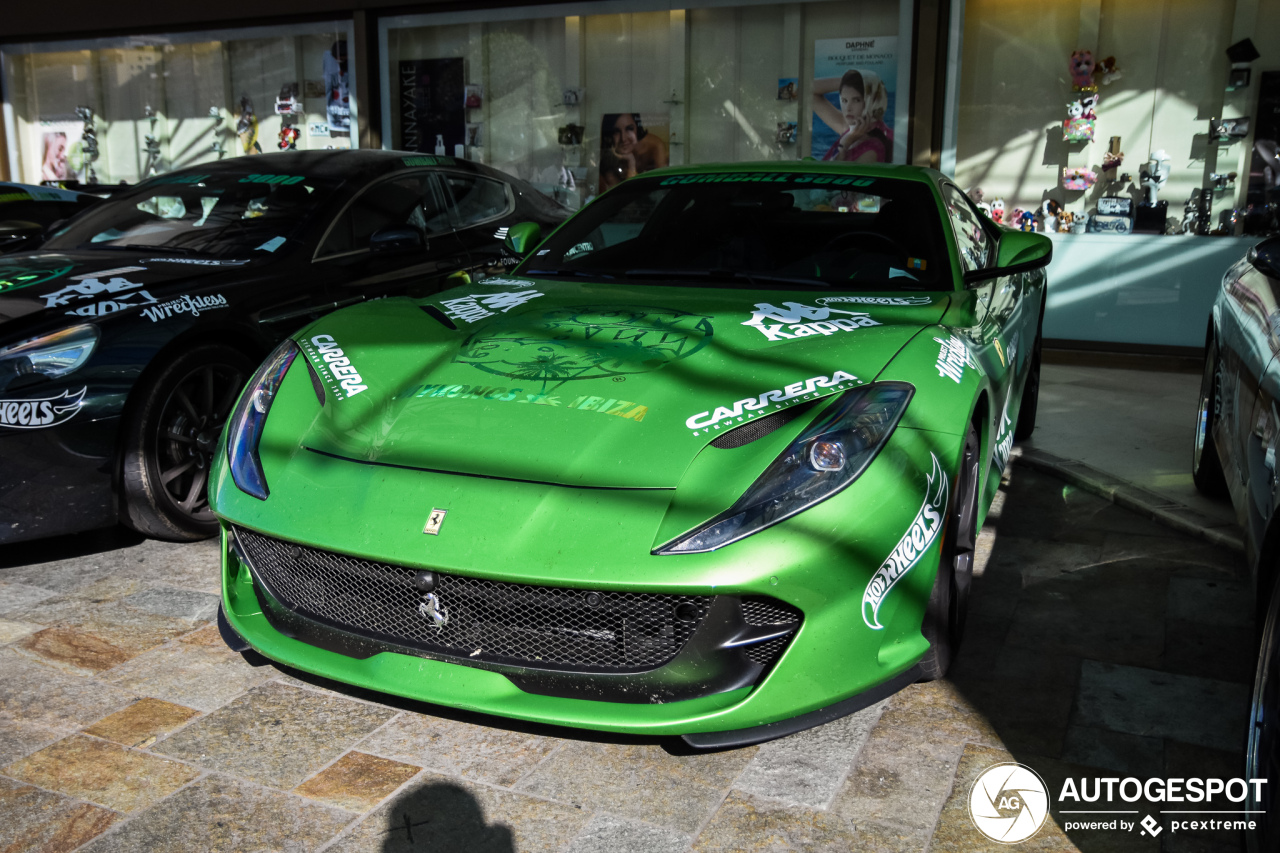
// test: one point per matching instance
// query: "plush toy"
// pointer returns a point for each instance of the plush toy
(975, 195)
(1081, 68)
(1025, 221)
(1112, 161)
(1106, 71)
(1080, 124)
(288, 138)
(1075, 109)
(1078, 179)
(1079, 223)
(1051, 211)
(1089, 103)
(997, 211)
(1065, 218)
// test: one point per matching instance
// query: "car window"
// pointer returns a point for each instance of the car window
(972, 240)
(477, 199)
(410, 200)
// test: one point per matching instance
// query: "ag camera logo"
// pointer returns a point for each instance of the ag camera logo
(1009, 803)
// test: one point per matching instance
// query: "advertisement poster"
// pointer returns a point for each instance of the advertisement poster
(631, 144)
(1264, 166)
(432, 116)
(337, 83)
(854, 83)
(60, 149)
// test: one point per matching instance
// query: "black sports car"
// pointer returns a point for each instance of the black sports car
(26, 212)
(126, 338)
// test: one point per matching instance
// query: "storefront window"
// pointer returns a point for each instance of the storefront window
(124, 109)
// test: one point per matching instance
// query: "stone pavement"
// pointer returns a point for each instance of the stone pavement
(1099, 644)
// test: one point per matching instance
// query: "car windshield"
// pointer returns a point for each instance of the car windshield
(226, 214)
(756, 229)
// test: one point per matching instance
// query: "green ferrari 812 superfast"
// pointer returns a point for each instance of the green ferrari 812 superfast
(709, 461)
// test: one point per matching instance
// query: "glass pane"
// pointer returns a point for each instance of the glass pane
(406, 201)
(477, 199)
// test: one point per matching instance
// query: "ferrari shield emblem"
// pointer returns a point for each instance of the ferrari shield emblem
(434, 521)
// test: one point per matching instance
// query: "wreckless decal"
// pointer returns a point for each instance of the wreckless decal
(770, 401)
(794, 320)
(192, 305)
(41, 412)
(877, 300)
(14, 276)
(914, 543)
(953, 358)
(477, 306)
(605, 405)
(767, 177)
(584, 342)
(334, 367)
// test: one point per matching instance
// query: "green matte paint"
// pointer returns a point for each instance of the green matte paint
(566, 426)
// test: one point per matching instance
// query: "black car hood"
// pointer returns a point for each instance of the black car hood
(95, 283)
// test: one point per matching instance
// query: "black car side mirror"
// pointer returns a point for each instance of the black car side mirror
(1265, 257)
(18, 232)
(395, 238)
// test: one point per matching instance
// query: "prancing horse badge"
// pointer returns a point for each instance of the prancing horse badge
(434, 521)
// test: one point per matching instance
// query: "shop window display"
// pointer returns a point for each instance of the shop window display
(121, 110)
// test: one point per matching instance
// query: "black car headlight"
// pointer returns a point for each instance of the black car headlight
(244, 430)
(821, 462)
(51, 356)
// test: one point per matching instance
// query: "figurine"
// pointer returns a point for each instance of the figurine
(88, 143)
(1081, 68)
(1106, 71)
(1064, 222)
(1026, 221)
(1079, 223)
(1154, 174)
(1190, 214)
(997, 211)
(1051, 210)
(151, 144)
(288, 138)
(1078, 179)
(247, 127)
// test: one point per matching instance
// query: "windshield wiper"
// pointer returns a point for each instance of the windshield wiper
(724, 275)
(576, 273)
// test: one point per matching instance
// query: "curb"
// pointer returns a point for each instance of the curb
(1123, 493)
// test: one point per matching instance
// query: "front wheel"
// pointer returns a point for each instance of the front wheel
(171, 434)
(1206, 467)
(948, 606)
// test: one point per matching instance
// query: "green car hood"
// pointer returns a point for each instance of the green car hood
(586, 384)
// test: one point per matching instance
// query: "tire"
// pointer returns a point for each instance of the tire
(1030, 396)
(948, 606)
(1206, 466)
(171, 433)
(1262, 752)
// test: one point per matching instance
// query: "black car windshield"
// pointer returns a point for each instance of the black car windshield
(756, 229)
(242, 214)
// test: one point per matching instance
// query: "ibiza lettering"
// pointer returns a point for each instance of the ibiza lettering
(794, 320)
(87, 289)
(43, 412)
(335, 368)
(604, 405)
(877, 300)
(770, 401)
(913, 545)
(953, 358)
(477, 306)
(192, 305)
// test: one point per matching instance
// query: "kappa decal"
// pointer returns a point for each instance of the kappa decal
(41, 412)
(877, 300)
(770, 401)
(109, 306)
(953, 358)
(477, 306)
(87, 289)
(794, 320)
(192, 305)
(335, 368)
(605, 405)
(914, 543)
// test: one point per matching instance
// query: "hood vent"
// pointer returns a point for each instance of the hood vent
(752, 430)
(439, 316)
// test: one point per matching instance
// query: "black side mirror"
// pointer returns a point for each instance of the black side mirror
(17, 233)
(1265, 257)
(395, 238)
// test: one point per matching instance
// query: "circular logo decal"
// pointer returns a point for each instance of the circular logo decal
(1009, 803)
(585, 342)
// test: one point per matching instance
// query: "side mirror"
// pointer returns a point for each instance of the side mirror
(1018, 252)
(1265, 257)
(395, 238)
(457, 279)
(522, 237)
(20, 229)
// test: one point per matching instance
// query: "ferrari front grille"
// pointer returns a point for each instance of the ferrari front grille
(473, 619)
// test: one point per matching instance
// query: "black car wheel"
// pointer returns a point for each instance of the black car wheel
(1206, 467)
(1030, 396)
(948, 606)
(171, 435)
(1262, 757)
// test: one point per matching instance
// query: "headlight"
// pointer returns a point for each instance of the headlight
(244, 430)
(821, 462)
(49, 355)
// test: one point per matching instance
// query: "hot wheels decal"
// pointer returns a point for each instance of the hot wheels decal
(605, 405)
(953, 358)
(192, 305)
(336, 370)
(877, 300)
(915, 542)
(42, 411)
(790, 320)
(477, 306)
(770, 401)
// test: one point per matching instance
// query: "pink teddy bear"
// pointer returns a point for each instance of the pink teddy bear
(1081, 68)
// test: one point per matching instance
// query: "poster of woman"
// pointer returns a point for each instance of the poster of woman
(630, 146)
(853, 99)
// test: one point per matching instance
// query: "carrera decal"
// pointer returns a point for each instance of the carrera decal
(41, 412)
(477, 306)
(14, 276)
(605, 405)
(877, 300)
(333, 365)
(767, 177)
(202, 262)
(770, 401)
(953, 358)
(192, 305)
(911, 547)
(800, 321)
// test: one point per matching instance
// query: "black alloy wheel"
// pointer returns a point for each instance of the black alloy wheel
(1206, 466)
(1262, 754)
(172, 435)
(948, 607)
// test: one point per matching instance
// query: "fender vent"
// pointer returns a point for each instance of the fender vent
(316, 384)
(752, 430)
(439, 316)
